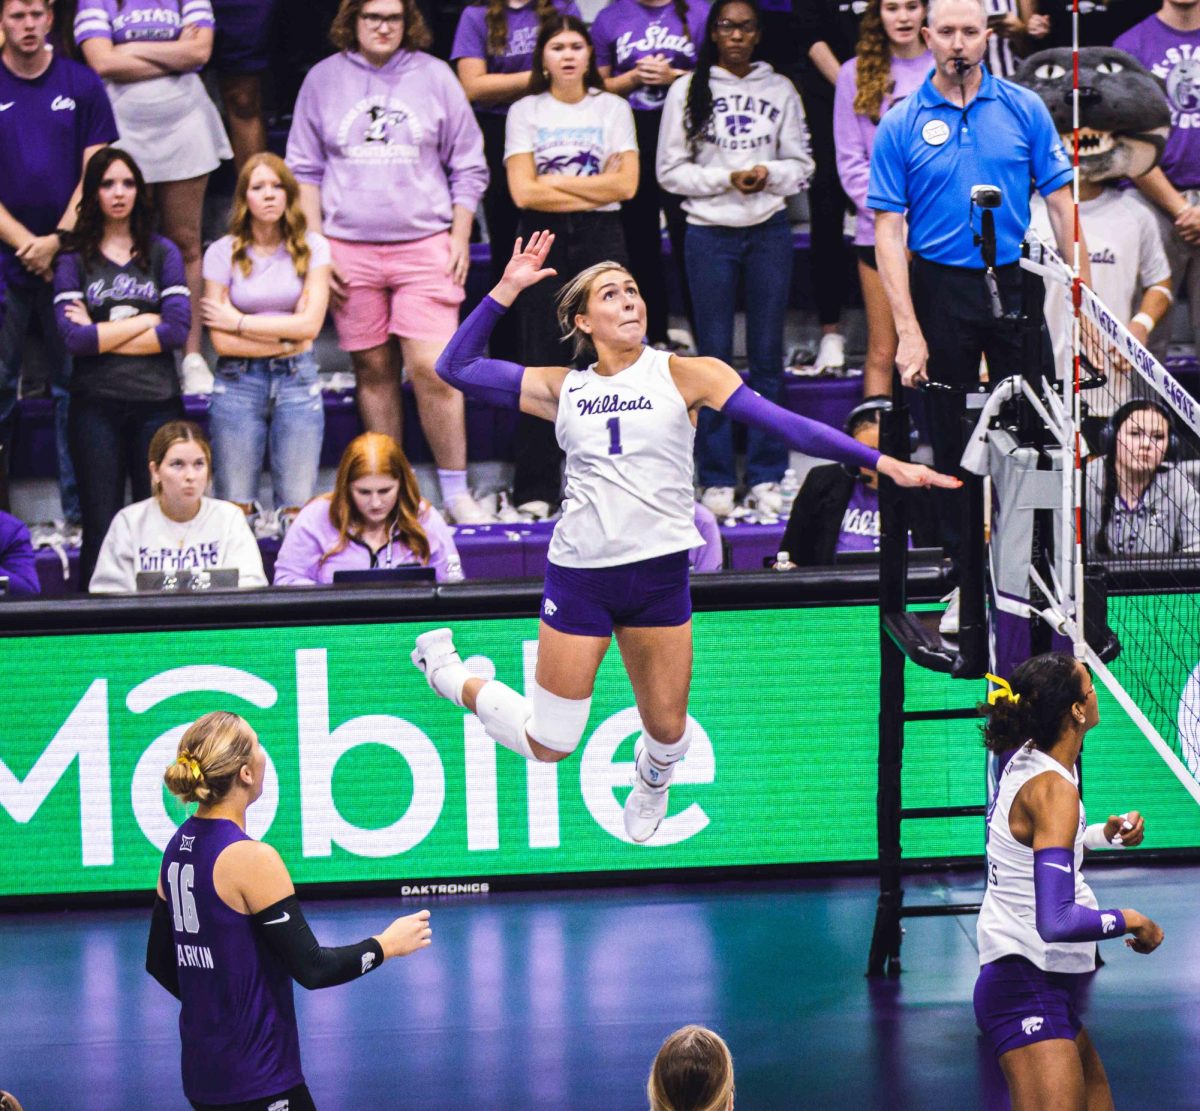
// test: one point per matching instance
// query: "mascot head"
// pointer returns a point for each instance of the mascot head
(1123, 113)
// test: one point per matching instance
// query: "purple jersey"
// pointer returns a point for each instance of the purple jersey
(860, 522)
(627, 30)
(45, 126)
(238, 1020)
(1173, 57)
(470, 40)
(139, 20)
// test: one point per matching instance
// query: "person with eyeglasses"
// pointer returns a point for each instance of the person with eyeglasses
(1040, 921)
(734, 145)
(391, 168)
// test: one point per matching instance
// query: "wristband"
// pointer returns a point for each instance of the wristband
(1145, 320)
(1093, 837)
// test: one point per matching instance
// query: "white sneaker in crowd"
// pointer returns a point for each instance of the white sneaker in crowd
(537, 510)
(681, 341)
(765, 499)
(646, 806)
(438, 660)
(831, 355)
(462, 509)
(948, 626)
(194, 375)
(718, 500)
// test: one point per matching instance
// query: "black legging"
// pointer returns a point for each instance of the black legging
(643, 237)
(581, 239)
(827, 205)
(502, 216)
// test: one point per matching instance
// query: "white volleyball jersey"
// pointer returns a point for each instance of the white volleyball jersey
(628, 491)
(1008, 917)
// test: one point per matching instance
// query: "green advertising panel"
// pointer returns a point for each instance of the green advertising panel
(372, 777)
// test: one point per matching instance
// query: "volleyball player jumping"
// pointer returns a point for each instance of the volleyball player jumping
(1039, 922)
(618, 560)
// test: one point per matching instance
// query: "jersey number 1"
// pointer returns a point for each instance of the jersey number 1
(614, 435)
(183, 902)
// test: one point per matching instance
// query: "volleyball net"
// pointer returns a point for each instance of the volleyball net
(1127, 433)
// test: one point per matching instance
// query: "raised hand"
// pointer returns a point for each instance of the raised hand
(525, 268)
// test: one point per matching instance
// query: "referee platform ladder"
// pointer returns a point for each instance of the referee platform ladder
(905, 637)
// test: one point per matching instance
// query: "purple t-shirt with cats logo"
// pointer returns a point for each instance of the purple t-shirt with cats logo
(628, 30)
(470, 40)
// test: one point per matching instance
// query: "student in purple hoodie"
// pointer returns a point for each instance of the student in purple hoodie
(17, 561)
(391, 167)
(493, 56)
(642, 47)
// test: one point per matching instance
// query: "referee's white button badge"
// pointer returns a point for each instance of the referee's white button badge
(935, 133)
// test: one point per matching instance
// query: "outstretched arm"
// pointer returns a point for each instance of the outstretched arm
(712, 383)
(463, 363)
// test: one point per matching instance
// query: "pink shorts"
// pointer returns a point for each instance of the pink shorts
(397, 289)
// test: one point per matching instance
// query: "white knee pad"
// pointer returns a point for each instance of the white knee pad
(505, 715)
(557, 723)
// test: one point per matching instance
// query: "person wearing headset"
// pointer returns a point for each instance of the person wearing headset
(837, 509)
(1138, 503)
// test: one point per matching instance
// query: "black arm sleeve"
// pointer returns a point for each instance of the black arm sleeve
(160, 948)
(310, 964)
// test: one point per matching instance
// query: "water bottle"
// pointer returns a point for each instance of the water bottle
(789, 487)
(783, 562)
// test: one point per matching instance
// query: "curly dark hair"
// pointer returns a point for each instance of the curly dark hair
(343, 32)
(496, 21)
(698, 111)
(538, 81)
(1046, 686)
(89, 226)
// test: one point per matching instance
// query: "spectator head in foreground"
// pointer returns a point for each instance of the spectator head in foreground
(693, 1071)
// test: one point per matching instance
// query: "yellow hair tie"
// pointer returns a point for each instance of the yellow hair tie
(1002, 691)
(192, 764)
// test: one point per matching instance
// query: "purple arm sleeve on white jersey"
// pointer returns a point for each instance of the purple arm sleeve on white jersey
(464, 366)
(1059, 916)
(799, 433)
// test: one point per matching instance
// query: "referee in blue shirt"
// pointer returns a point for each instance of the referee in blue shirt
(963, 127)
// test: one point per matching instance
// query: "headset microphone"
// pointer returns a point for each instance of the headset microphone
(961, 65)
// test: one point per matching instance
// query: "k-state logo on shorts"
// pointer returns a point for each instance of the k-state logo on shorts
(549, 608)
(1032, 1024)
(1108, 923)
(280, 1105)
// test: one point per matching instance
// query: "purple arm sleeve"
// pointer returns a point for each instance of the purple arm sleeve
(1059, 917)
(176, 307)
(464, 366)
(809, 436)
(79, 339)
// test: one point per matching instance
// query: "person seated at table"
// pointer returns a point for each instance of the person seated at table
(374, 518)
(177, 528)
(1138, 503)
(837, 509)
(17, 557)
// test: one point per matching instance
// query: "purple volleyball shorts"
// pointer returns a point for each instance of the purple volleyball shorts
(589, 601)
(1017, 1004)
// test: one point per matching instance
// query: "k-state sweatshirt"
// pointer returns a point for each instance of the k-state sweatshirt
(757, 120)
(393, 147)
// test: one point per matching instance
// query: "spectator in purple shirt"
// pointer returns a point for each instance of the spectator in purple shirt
(16, 556)
(149, 52)
(891, 62)
(266, 290)
(56, 117)
(375, 517)
(642, 47)
(123, 310)
(391, 167)
(493, 56)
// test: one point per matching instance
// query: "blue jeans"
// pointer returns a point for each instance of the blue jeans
(718, 260)
(24, 302)
(259, 400)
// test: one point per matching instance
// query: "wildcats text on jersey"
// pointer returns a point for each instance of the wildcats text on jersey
(610, 403)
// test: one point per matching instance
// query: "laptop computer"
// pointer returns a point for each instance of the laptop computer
(410, 573)
(164, 582)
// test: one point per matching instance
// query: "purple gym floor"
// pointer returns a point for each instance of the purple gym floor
(559, 1000)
